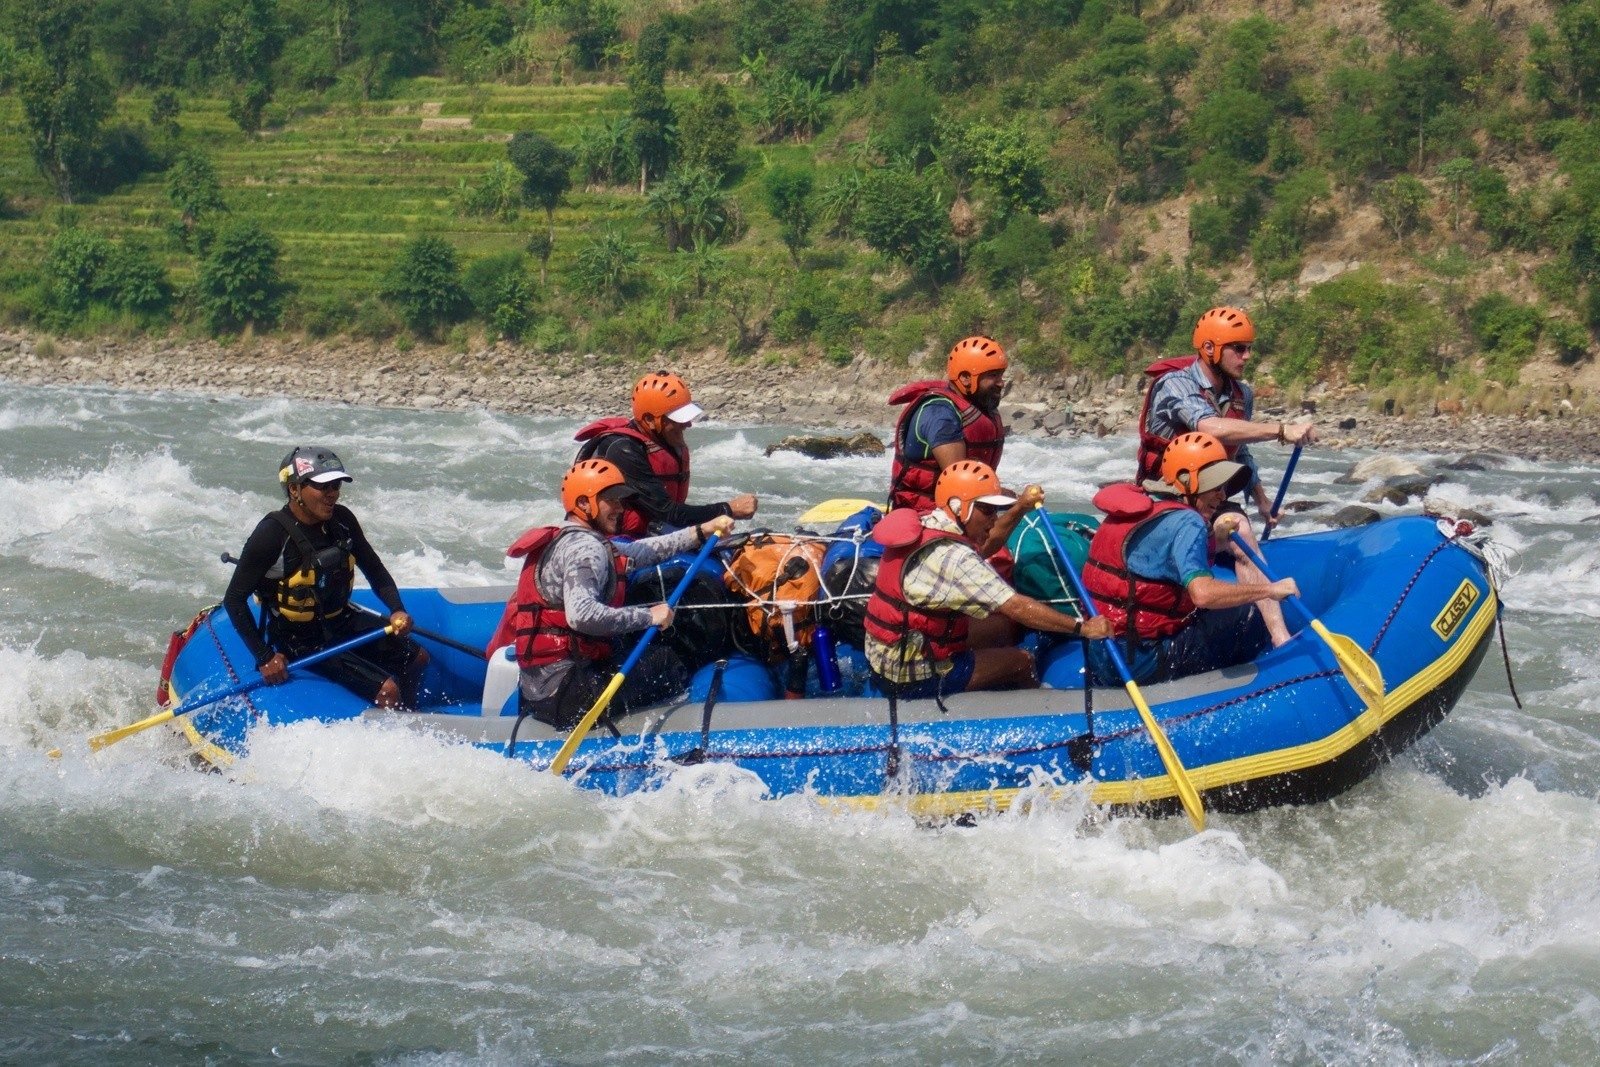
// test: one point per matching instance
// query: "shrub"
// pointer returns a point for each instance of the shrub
(899, 215)
(812, 307)
(136, 283)
(1019, 251)
(1508, 332)
(74, 270)
(1376, 330)
(424, 284)
(501, 293)
(1570, 340)
(238, 282)
(608, 266)
(497, 194)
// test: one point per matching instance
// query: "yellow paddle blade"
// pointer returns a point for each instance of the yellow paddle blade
(834, 510)
(580, 731)
(111, 737)
(1359, 668)
(1187, 793)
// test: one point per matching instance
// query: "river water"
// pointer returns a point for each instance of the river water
(357, 894)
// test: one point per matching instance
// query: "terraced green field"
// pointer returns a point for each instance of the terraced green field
(341, 186)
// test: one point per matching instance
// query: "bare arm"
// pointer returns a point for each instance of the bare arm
(1037, 615)
(1213, 594)
(954, 452)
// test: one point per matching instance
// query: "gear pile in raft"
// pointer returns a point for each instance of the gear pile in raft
(962, 650)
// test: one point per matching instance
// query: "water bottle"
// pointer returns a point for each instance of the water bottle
(827, 659)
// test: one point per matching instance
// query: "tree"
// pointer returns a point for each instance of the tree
(1004, 159)
(591, 28)
(194, 189)
(788, 191)
(653, 118)
(709, 129)
(1232, 121)
(1401, 202)
(546, 170)
(238, 282)
(249, 40)
(1456, 172)
(425, 284)
(65, 97)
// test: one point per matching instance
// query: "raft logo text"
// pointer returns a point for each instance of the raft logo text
(1445, 623)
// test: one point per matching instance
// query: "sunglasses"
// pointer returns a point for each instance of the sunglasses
(990, 510)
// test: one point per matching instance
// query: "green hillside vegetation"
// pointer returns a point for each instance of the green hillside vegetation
(821, 178)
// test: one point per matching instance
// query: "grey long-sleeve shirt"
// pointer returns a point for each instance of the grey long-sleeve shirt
(576, 576)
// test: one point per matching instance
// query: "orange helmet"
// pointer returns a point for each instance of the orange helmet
(660, 394)
(587, 479)
(967, 482)
(1186, 456)
(1222, 326)
(976, 356)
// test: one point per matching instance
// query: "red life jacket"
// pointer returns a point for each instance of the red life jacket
(911, 480)
(1153, 446)
(889, 615)
(1157, 608)
(540, 632)
(666, 463)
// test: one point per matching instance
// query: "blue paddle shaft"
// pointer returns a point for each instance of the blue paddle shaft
(672, 602)
(305, 661)
(1301, 610)
(1082, 593)
(1283, 489)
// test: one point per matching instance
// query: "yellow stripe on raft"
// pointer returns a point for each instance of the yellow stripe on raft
(1210, 776)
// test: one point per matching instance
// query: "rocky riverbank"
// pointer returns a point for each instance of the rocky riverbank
(762, 389)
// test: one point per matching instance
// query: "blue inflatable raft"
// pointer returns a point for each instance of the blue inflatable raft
(1286, 728)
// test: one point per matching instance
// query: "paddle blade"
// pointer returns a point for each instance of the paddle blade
(580, 731)
(111, 737)
(1359, 668)
(834, 510)
(1187, 794)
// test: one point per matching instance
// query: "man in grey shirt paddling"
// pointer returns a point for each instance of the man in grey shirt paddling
(567, 615)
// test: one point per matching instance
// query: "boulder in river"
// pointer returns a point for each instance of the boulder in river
(1378, 467)
(1399, 489)
(828, 446)
(1354, 515)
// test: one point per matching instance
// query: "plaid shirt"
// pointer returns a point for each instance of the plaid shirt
(948, 575)
(1185, 397)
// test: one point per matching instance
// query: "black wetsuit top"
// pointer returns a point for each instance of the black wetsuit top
(270, 544)
(659, 509)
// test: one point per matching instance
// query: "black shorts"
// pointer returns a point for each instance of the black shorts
(361, 670)
(657, 677)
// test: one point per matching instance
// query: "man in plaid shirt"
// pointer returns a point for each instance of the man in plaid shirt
(941, 620)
